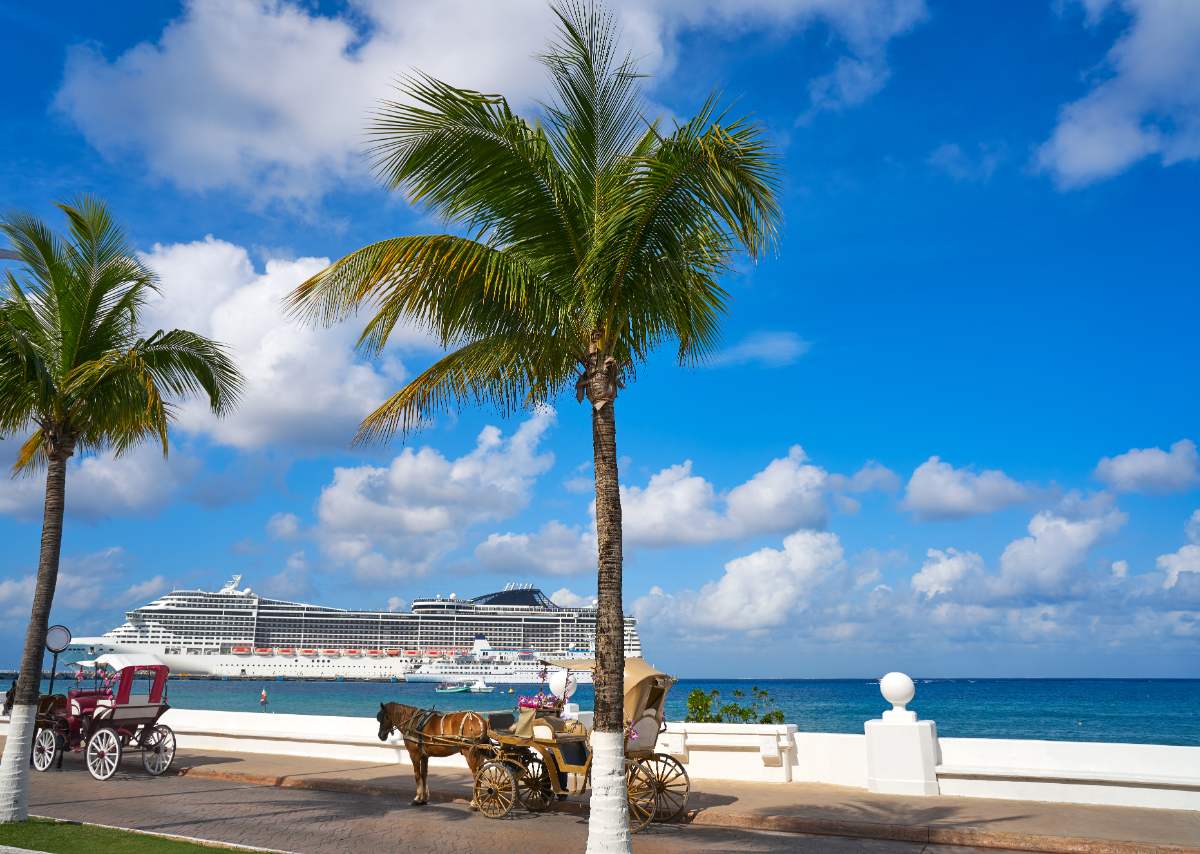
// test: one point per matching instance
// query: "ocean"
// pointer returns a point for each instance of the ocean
(1145, 711)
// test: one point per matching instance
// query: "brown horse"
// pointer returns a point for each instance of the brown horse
(428, 733)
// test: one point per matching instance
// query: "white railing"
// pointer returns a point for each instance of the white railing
(896, 753)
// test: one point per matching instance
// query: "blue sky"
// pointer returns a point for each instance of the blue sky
(953, 429)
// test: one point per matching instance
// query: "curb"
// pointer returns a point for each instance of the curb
(207, 843)
(927, 834)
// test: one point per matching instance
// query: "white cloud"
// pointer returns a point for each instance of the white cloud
(283, 526)
(100, 486)
(677, 507)
(564, 598)
(394, 521)
(1057, 545)
(768, 349)
(304, 386)
(757, 591)
(944, 570)
(872, 477)
(291, 582)
(395, 603)
(1146, 104)
(1187, 559)
(937, 490)
(962, 165)
(16, 597)
(146, 591)
(1120, 569)
(269, 99)
(1152, 469)
(556, 549)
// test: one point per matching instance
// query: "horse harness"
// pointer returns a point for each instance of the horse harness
(416, 731)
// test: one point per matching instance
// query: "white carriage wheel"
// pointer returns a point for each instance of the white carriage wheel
(45, 748)
(103, 753)
(158, 750)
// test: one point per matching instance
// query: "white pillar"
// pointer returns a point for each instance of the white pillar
(901, 750)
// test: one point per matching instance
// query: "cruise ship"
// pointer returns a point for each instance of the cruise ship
(233, 632)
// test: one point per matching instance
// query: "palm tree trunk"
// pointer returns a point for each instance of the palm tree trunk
(14, 766)
(608, 826)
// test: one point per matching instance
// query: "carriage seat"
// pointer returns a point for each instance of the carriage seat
(501, 721)
(84, 700)
(48, 704)
(643, 735)
(553, 728)
(105, 710)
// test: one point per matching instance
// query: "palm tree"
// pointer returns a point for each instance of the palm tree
(590, 238)
(76, 375)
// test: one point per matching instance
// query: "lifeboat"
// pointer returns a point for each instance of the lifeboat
(263, 650)
(333, 653)
(376, 653)
(410, 652)
(353, 652)
(393, 652)
(286, 650)
(308, 652)
(241, 650)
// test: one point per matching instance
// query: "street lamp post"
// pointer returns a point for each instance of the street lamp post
(58, 638)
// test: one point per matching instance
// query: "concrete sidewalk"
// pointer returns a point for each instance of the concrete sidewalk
(796, 808)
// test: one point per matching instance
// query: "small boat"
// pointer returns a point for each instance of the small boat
(481, 687)
(332, 653)
(452, 688)
(393, 652)
(375, 653)
(286, 650)
(353, 652)
(241, 650)
(263, 650)
(308, 652)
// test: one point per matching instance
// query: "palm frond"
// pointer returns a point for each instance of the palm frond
(73, 362)
(503, 371)
(470, 159)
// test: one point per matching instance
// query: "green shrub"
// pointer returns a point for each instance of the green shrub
(757, 708)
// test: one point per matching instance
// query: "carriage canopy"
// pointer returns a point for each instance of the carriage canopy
(645, 686)
(141, 678)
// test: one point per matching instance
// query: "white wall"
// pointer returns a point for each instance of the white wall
(1072, 772)
(1151, 775)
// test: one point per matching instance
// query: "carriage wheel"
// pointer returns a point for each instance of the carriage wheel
(533, 786)
(641, 794)
(495, 789)
(45, 748)
(671, 786)
(158, 749)
(103, 753)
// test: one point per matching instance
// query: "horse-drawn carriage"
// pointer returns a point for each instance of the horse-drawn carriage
(119, 712)
(529, 757)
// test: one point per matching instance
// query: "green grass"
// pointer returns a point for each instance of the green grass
(65, 838)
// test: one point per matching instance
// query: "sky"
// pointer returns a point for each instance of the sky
(952, 427)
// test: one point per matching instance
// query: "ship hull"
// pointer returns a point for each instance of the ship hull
(251, 666)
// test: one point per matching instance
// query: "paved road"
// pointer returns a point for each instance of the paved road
(315, 822)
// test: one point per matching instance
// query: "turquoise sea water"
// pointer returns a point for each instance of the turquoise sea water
(1148, 711)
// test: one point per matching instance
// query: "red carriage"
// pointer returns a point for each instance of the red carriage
(119, 713)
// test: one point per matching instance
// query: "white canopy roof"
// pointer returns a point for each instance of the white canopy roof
(119, 661)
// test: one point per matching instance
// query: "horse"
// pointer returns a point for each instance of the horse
(430, 733)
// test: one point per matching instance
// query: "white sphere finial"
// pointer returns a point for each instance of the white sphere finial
(898, 689)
